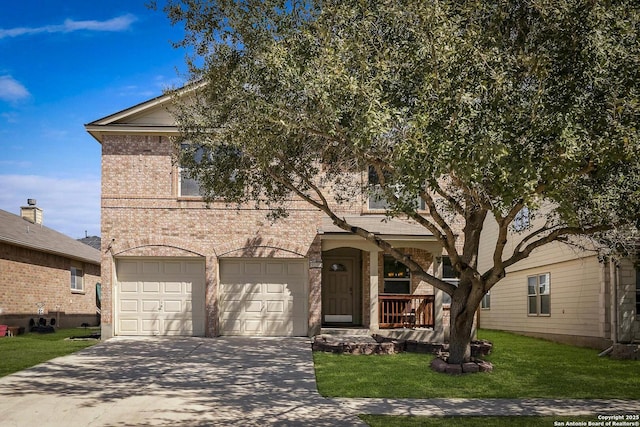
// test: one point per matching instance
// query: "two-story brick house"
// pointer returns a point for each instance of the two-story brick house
(174, 265)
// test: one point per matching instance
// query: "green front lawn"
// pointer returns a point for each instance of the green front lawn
(523, 368)
(23, 351)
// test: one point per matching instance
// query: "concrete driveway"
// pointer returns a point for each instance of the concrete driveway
(173, 382)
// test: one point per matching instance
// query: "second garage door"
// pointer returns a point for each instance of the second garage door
(264, 297)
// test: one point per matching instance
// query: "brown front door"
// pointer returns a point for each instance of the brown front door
(342, 287)
(337, 290)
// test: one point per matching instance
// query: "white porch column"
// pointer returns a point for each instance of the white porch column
(373, 291)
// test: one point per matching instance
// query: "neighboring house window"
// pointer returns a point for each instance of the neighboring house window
(522, 219)
(376, 197)
(397, 277)
(189, 187)
(486, 301)
(77, 279)
(448, 274)
(539, 295)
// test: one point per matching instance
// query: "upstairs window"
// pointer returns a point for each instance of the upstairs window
(377, 201)
(189, 187)
(77, 276)
(397, 277)
(522, 220)
(539, 295)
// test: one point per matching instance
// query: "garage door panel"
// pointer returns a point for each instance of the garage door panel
(129, 287)
(173, 288)
(232, 326)
(175, 306)
(275, 269)
(150, 326)
(252, 288)
(150, 287)
(150, 267)
(127, 267)
(275, 307)
(128, 305)
(154, 297)
(274, 288)
(252, 268)
(150, 306)
(253, 326)
(172, 267)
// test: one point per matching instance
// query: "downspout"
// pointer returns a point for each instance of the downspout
(613, 280)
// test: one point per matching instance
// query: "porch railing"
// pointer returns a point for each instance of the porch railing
(406, 311)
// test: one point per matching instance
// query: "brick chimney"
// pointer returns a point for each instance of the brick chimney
(31, 213)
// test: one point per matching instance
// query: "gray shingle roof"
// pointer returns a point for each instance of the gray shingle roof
(17, 231)
(377, 224)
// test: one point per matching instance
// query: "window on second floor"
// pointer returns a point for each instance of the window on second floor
(377, 200)
(539, 295)
(522, 220)
(188, 186)
(77, 282)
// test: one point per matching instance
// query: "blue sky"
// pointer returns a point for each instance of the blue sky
(64, 64)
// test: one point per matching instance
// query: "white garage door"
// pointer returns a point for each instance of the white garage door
(267, 297)
(163, 296)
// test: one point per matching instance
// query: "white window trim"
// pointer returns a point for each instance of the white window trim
(486, 299)
(77, 273)
(538, 294)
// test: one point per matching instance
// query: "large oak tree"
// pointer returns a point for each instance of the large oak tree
(480, 108)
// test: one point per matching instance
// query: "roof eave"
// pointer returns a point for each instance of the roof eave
(98, 131)
(49, 251)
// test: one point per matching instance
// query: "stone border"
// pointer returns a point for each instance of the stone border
(378, 344)
(440, 365)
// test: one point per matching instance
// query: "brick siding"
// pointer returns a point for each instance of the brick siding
(29, 277)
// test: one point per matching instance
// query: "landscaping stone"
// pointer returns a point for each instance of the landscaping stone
(439, 365)
(354, 345)
(377, 344)
(453, 369)
(470, 368)
(485, 366)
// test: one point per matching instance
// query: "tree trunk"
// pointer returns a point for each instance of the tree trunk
(460, 327)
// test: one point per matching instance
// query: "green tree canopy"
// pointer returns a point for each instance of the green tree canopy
(481, 108)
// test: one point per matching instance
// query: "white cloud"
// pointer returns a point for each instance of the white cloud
(120, 23)
(70, 205)
(12, 90)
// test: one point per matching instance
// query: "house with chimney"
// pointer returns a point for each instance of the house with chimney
(46, 277)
